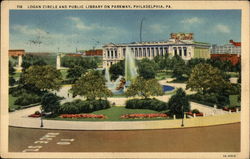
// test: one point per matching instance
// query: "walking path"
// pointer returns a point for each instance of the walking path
(20, 119)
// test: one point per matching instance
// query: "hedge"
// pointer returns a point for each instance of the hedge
(27, 99)
(79, 106)
(152, 104)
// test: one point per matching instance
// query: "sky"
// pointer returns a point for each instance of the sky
(71, 30)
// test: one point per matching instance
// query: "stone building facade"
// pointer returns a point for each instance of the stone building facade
(187, 49)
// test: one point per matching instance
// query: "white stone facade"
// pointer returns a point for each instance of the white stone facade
(113, 53)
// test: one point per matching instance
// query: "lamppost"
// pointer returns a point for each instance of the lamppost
(182, 122)
(41, 118)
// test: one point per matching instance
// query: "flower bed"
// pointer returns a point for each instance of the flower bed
(35, 115)
(232, 109)
(82, 116)
(192, 114)
(133, 116)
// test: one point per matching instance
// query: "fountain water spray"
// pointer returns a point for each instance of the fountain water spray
(107, 75)
(130, 67)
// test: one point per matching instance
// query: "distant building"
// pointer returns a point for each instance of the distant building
(16, 52)
(181, 44)
(97, 52)
(231, 48)
(230, 52)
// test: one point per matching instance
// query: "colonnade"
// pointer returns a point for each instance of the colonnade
(138, 52)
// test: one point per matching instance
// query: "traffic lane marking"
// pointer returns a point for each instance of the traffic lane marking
(47, 137)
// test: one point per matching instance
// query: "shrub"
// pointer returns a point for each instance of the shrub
(27, 99)
(79, 106)
(210, 99)
(196, 111)
(153, 104)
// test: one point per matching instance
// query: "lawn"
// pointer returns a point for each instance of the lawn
(233, 74)
(64, 73)
(234, 100)
(163, 75)
(113, 114)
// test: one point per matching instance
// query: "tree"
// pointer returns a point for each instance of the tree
(91, 85)
(11, 73)
(75, 72)
(179, 67)
(145, 88)
(30, 60)
(50, 103)
(43, 77)
(117, 69)
(207, 79)
(85, 62)
(179, 103)
(147, 68)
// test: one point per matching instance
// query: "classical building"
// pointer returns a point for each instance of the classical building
(179, 44)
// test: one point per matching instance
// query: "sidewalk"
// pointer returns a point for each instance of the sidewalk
(20, 119)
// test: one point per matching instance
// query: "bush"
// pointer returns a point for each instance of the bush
(27, 99)
(152, 104)
(210, 99)
(196, 111)
(79, 106)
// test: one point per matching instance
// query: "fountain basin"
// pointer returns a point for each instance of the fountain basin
(167, 88)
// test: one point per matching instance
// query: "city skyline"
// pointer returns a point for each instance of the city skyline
(68, 30)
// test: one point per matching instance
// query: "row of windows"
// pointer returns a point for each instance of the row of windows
(141, 52)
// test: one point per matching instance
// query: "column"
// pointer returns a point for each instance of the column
(20, 61)
(58, 62)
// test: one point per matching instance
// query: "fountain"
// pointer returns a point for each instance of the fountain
(118, 86)
(130, 67)
(107, 75)
(121, 83)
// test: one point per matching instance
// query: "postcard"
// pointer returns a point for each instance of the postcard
(125, 79)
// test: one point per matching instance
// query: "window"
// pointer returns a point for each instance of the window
(180, 51)
(115, 53)
(153, 52)
(185, 51)
(144, 52)
(124, 51)
(175, 51)
(136, 52)
(148, 50)
(157, 52)
(161, 51)
(108, 54)
(166, 50)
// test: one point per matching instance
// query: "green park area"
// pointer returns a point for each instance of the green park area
(41, 83)
(114, 114)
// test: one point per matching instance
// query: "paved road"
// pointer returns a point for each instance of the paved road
(223, 138)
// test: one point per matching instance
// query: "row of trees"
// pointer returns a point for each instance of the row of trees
(181, 69)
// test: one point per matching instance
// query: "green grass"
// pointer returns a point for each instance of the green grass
(163, 75)
(113, 114)
(64, 73)
(12, 99)
(119, 95)
(234, 100)
(233, 74)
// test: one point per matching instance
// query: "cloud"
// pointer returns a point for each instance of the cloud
(24, 29)
(193, 20)
(158, 28)
(79, 24)
(222, 28)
